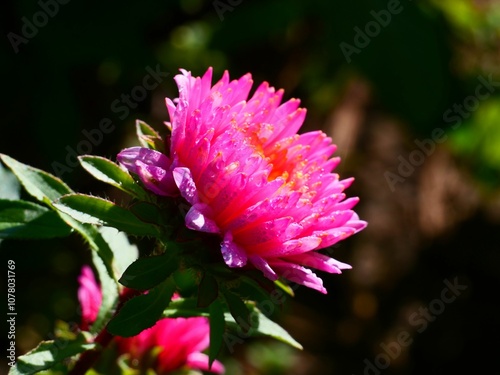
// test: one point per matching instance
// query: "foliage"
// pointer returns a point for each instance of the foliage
(185, 264)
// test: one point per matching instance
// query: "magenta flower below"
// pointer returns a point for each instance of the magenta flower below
(180, 342)
(268, 192)
(170, 345)
(90, 297)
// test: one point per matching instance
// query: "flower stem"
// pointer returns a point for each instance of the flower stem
(88, 358)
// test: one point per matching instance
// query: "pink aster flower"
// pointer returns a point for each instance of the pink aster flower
(170, 345)
(268, 192)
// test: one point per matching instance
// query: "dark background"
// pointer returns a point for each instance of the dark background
(439, 221)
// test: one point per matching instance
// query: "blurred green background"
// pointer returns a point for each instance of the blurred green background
(380, 77)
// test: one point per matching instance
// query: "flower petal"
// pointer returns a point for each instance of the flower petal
(186, 185)
(160, 181)
(319, 261)
(129, 156)
(263, 266)
(233, 254)
(299, 275)
(197, 219)
(301, 245)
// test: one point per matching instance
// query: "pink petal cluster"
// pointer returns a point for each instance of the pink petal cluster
(170, 345)
(268, 192)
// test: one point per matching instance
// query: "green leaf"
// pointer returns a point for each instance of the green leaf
(263, 326)
(109, 172)
(148, 137)
(148, 212)
(184, 308)
(208, 290)
(260, 324)
(50, 353)
(217, 326)
(267, 327)
(187, 280)
(99, 211)
(95, 240)
(148, 272)
(42, 185)
(124, 254)
(10, 187)
(110, 294)
(238, 310)
(48, 188)
(123, 251)
(143, 311)
(26, 220)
